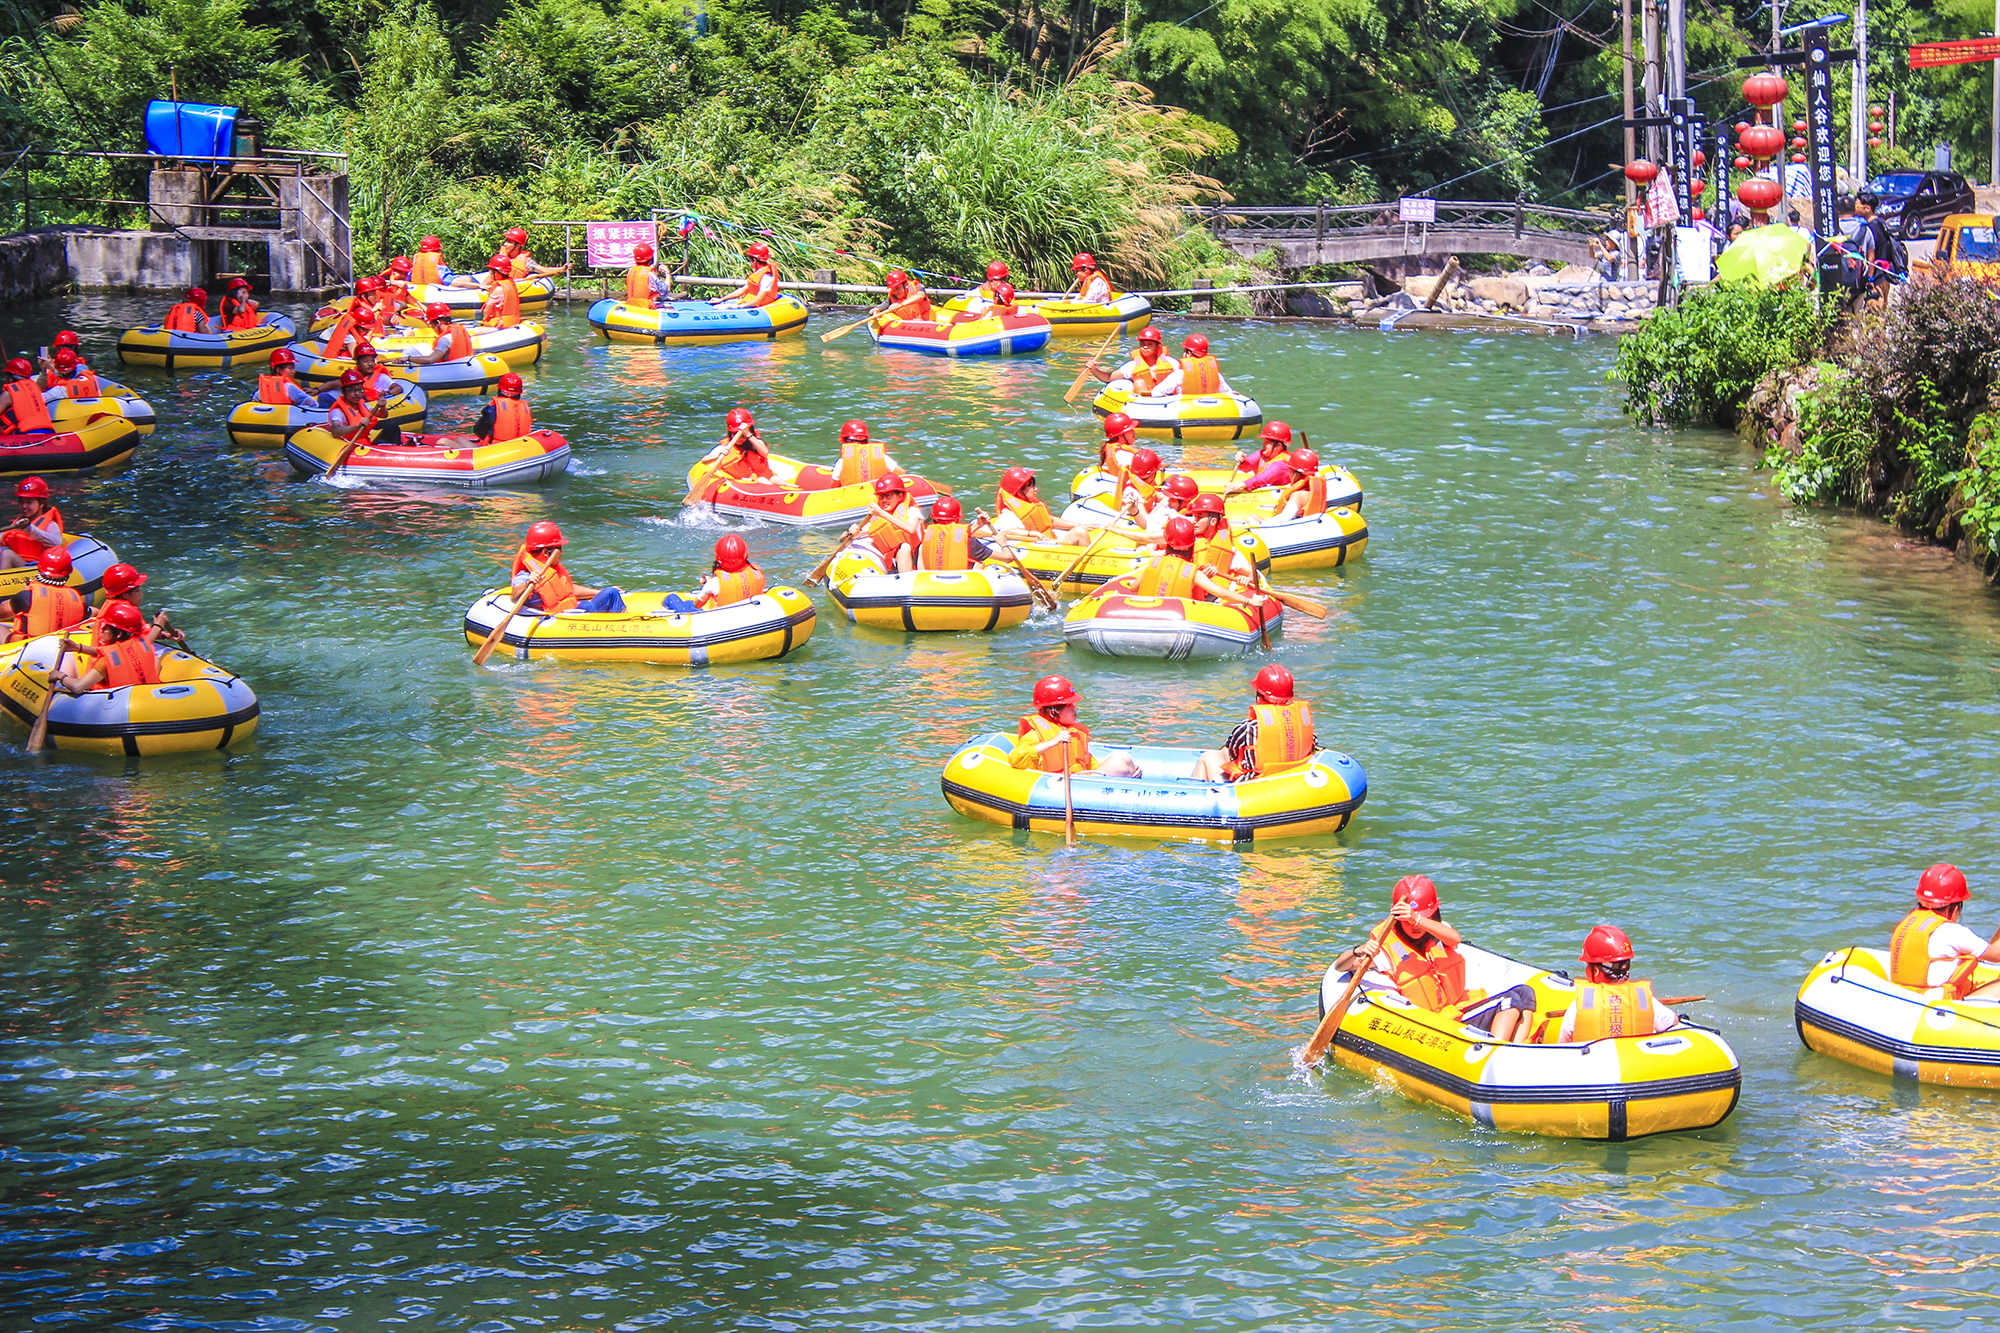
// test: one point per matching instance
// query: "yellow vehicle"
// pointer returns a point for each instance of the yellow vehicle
(1966, 248)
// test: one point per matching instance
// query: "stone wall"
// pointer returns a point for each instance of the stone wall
(34, 263)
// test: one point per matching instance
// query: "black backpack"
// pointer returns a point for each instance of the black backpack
(1889, 246)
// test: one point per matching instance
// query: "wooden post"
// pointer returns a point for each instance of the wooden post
(1520, 214)
(1319, 233)
(825, 294)
(1202, 305)
(1450, 267)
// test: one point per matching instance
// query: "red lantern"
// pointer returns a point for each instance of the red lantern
(1700, 159)
(1799, 158)
(1641, 172)
(1696, 189)
(1874, 127)
(1875, 143)
(1744, 164)
(1698, 214)
(1760, 195)
(1742, 125)
(1798, 143)
(1763, 141)
(1798, 127)
(1875, 111)
(1765, 89)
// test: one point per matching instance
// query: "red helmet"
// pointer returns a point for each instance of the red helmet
(757, 250)
(1195, 345)
(123, 616)
(1274, 684)
(517, 236)
(67, 338)
(122, 578)
(365, 317)
(947, 510)
(31, 488)
(510, 384)
(1003, 293)
(65, 358)
(436, 311)
(731, 553)
(543, 534)
(1183, 488)
(891, 485)
(364, 348)
(895, 278)
(400, 264)
(996, 270)
(1149, 334)
(1605, 944)
(367, 284)
(20, 365)
(642, 254)
(1203, 505)
(1304, 462)
(1082, 262)
(283, 357)
(1419, 893)
(500, 264)
(352, 379)
(854, 432)
(244, 283)
(1117, 426)
(1941, 886)
(1145, 464)
(54, 565)
(1279, 431)
(198, 296)
(1014, 480)
(1054, 691)
(737, 419)
(430, 245)
(1180, 534)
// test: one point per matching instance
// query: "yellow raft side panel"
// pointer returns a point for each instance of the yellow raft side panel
(986, 597)
(777, 622)
(196, 706)
(1849, 1009)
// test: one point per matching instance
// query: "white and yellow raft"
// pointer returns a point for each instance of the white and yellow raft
(1188, 416)
(769, 625)
(1343, 488)
(1050, 560)
(1117, 623)
(114, 398)
(1071, 318)
(1616, 1088)
(1320, 541)
(260, 425)
(158, 346)
(88, 559)
(1849, 1009)
(196, 706)
(986, 597)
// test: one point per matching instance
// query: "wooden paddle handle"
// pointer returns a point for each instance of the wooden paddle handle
(819, 570)
(40, 731)
(1323, 1035)
(1084, 374)
(486, 648)
(1069, 799)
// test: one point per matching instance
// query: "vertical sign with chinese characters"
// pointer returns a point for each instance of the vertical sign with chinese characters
(1677, 135)
(609, 244)
(1819, 126)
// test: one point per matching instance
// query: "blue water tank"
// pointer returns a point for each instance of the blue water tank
(190, 130)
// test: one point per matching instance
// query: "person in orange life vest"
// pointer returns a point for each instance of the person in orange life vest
(23, 409)
(123, 584)
(1418, 956)
(1216, 551)
(521, 260)
(354, 324)
(1175, 495)
(452, 344)
(38, 527)
(123, 655)
(239, 308)
(1040, 735)
(744, 455)
(1092, 286)
(1174, 573)
(1148, 366)
(281, 388)
(731, 579)
(949, 543)
(70, 377)
(1306, 495)
(980, 301)
(761, 287)
(645, 288)
(47, 359)
(351, 413)
(898, 527)
(1197, 373)
(506, 417)
(1271, 467)
(191, 315)
(376, 382)
(1003, 301)
(427, 268)
(1929, 948)
(48, 603)
(396, 304)
(554, 591)
(502, 309)
(907, 300)
(1020, 515)
(1608, 1002)
(1276, 737)
(861, 459)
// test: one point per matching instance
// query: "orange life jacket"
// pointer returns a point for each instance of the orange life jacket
(30, 410)
(1051, 760)
(1200, 374)
(96, 622)
(187, 317)
(520, 264)
(271, 389)
(946, 546)
(1613, 1009)
(745, 465)
(736, 585)
(861, 462)
(51, 607)
(459, 348)
(1034, 517)
(1144, 376)
(246, 316)
(639, 287)
(511, 419)
(1910, 955)
(1432, 976)
(1123, 477)
(888, 537)
(344, 415)
(1216, 553)
(1284, 736)
(1167, 576)
(759, 296)
(83, 384)
(129, 663)
(1096, 289)
(915, 306)
(344, 332)
(1313, 491)
(558, 590)
(424, 268)
(503, 305)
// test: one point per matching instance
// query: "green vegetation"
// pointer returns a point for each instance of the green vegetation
(1700, 360)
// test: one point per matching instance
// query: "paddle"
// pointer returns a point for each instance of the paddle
(844, 330)
(1263, 622)
(1672, 1000)
(1102, 533)
(354, 441)
(723, 457)
(1036, 588)
(1069, 801)
(1323, 1035)
(493, 639)
(1293, 601)
(40, 731)
(1084, 374)
(819, 570)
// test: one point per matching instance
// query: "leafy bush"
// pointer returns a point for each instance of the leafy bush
(1700, 360)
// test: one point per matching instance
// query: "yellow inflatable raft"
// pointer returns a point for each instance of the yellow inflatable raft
(259, 425)
(1343, 488)
(519, 346)
(465, 303)
(987, 597)
(1166, 802)
(798, 494)
(1320, 541)
(88, 559)
(116, 399)
(1616, 1088)
(156, 346)
(1112, 557)
(1218, 416)
(1118, 623)
(1071, 318)
(1849, 1009)
(196, 706)
(768, 625)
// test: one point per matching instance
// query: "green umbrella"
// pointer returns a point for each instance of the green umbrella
(1767, 256)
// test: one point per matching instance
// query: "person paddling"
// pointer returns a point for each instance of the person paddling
(37, 526)
(1142, 374)
(1040, 736)
(760, 288)
(1198, 373)
(554, 590)
(123, 584)
(124, 658)
(1272, 465)
(741, 454)
(907, 300)
(898, 528)
(1419, 955)
(1930, 949)
(1174, 573)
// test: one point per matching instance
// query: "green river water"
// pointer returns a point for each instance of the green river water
(572, 997)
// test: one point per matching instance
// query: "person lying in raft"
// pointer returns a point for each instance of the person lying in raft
(123, 655)
(539, 563)
(1276, 737)
(861, 459)
(1197, 374)
(1419, 959)
(1041, 735)
(760, 288)
(1929, 949)
(1148, 366)
(731, 579)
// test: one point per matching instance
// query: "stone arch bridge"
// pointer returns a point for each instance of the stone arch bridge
(1307, 234)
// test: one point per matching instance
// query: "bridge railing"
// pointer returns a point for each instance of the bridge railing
(1497, 216)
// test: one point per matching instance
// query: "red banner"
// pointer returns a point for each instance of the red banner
(1932, 54)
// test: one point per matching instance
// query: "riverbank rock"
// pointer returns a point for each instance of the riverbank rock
(1510, 293)
(1770, 416)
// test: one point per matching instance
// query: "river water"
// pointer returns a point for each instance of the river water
(568, 997)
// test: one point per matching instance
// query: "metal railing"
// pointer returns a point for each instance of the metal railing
(1511, 217)
(336, 261)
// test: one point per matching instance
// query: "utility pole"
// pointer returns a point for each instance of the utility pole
(1650, 33)
(1625, 52)
(1857, 119)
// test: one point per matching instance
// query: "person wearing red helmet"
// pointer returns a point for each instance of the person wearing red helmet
(1041, 735)
(1121, 438)
(980, 300)
(731, 579)
(898, 526)
(907, 300)
(48, 604)
(539, 561)
(68, 376)
(452, 342)
(861, 459)
(427, 267)
(124, 658)
(1003, 306)
(354, 325)
(1020, 515)
(1272, 465)
(760, 288)
(513, 256)
(948, 542)
(1305, 495)
(239, 307)
(646, 282)
(1149, 365)
(281, 388)
(376, 381)
(1929, 948)
(349, 414)
(1419, 955)
(1091, 285)
(505, 416)
(23, 408)
(191, 315)
(1216, 553)
(1174, 573)
(1609, 1003)
(37, 527)
(502, 307)
(1276, 737)
(742, 452)
(1197, 374)
(124, 585)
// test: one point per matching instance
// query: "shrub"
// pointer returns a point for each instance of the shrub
(1700, 360)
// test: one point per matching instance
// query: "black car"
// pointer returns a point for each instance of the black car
(1912, 203)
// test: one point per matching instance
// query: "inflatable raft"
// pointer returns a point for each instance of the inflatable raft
(769, 625)
(102, 440)
(983, 598)
(465, 303)
(681, 323)
(115, 399)
(476, 374)
(996, 335)
(204, 351)
(1222, 416)
(1174, 629)
(434, 460)
(1323, 541)
(1616, 1088)
(1849, 1009)
(1047, 560)
(519, 346)
(1343, 488)
(88, 559)
(196, 706)
(800, 495)
(255, 425)
(1071, 318)
(1166, 802)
